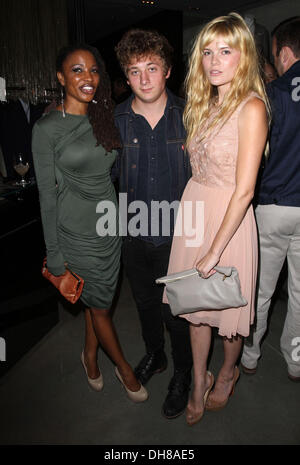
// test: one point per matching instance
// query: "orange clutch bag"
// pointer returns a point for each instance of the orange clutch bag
(69, 284)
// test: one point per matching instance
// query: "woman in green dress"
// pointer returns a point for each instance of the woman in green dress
(74, 147)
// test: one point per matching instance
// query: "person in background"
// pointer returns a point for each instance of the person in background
(120, 90)
(17, 118)
(153, 166)
(227, 125)
(270, 73)
(74, 147)
(278, 210)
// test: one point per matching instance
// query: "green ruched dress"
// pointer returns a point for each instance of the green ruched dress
(73, 176)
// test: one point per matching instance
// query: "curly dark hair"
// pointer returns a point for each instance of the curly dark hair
(287, 34)
(139, 43)
(101, 114)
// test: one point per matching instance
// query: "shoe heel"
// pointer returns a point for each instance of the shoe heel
(136, 396)
(198, 417)
(97, 383)
(214, 406)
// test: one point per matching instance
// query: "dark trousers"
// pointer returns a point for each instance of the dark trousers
(143, 263)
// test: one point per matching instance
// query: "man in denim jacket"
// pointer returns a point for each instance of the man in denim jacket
(152, 167)
(278, 210)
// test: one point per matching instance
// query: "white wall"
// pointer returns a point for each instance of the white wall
(268, 15)
(272, 14)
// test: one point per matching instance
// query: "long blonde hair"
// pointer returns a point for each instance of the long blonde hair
(201, 94)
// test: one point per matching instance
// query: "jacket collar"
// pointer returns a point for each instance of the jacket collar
(294, 70)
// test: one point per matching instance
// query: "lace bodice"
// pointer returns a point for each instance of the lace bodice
(213, 160)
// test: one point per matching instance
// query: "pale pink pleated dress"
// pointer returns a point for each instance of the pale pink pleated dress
(213, 162)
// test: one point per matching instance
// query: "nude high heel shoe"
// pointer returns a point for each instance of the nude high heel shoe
(192, 420)
(97, 383)
(136, 396)
(213, 405)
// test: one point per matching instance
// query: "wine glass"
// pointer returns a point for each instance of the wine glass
(21, 168)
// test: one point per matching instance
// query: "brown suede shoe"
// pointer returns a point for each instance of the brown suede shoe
(248, 371)
(213, 405)
(295, 379)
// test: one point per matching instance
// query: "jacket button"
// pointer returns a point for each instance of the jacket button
(135, 140)
(131, 189)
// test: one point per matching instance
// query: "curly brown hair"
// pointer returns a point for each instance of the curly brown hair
(139, 43)
(101, 113)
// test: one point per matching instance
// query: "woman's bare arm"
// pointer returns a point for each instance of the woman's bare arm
(252, 133)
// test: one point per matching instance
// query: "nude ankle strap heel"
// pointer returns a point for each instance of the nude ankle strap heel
(213, 405)
(193, 419)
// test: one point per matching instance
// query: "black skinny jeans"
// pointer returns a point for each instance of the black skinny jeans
(143, 263)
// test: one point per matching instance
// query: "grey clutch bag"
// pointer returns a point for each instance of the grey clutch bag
(187, 292)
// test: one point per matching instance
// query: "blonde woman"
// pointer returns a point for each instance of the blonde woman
(226, 118)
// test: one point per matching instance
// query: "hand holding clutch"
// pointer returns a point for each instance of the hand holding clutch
(206, 265)
(187, 292)
(69, 284)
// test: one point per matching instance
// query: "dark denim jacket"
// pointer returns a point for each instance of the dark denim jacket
(127, 162)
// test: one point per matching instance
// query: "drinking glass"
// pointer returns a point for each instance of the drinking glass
(21, 168)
